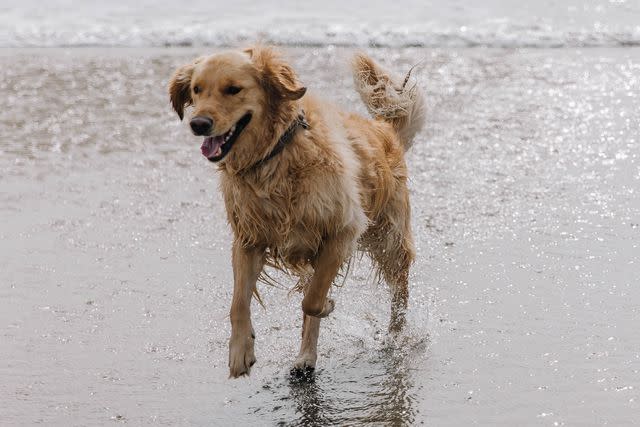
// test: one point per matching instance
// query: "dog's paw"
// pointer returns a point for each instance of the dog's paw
(241, 355)
(304, 367)
(326, 310)
(398, 320)
(329, 305)
(305, 362)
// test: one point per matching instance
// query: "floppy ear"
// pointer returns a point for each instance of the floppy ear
(277, 76)
(180, 88)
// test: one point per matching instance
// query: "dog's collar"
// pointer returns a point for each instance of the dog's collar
(287, 136)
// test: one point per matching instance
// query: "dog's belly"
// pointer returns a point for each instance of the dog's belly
(294, 249)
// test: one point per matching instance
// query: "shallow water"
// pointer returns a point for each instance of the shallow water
(524, 309)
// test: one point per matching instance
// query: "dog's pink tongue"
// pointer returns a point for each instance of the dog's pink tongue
(211, 145)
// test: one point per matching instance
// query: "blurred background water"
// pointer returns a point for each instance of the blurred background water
(495, 23)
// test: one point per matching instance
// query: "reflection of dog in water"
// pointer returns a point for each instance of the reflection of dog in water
(375, 388)
(304, 183)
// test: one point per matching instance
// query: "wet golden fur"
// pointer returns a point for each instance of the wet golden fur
(339, 186)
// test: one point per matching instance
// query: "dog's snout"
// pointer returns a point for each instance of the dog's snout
(201, 125)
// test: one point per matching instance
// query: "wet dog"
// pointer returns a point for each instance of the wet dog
(304, 183)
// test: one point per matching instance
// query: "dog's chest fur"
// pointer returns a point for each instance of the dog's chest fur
(289, 222)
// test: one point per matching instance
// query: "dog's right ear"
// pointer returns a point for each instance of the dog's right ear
(180, 87)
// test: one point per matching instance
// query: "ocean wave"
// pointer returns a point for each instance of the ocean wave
(505, 36)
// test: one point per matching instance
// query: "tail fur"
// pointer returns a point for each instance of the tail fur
(396, 101)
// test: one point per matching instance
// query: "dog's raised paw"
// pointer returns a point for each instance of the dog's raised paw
(311, 309)
(329, 305)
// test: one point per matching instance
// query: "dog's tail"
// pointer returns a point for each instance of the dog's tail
(396, 101)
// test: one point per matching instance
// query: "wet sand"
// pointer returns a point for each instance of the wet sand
(116, 277)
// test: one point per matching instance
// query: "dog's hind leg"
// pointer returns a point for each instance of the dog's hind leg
(394, 262)
(247, 265)
(398, 278)
(390, 244)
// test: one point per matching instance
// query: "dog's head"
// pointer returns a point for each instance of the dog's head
(239, 101)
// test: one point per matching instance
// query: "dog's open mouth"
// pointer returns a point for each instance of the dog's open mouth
(215, 148)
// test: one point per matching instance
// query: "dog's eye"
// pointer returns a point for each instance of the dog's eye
(196, 89)
(232, 90)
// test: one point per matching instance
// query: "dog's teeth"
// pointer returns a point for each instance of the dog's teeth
(229, 134)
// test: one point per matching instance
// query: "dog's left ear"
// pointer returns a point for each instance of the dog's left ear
(278, 76)
(180, 87)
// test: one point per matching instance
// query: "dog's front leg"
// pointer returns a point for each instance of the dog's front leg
(247, 265)
(330, 258)
(306, 360)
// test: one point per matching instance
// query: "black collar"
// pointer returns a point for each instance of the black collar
(286, 138)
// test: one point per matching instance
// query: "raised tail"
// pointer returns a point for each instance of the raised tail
(391, 99)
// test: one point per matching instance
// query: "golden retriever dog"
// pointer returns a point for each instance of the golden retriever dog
(304, 183)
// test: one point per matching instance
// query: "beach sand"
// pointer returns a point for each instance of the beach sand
(116, 278)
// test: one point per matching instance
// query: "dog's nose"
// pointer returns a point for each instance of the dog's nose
(201, 125)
